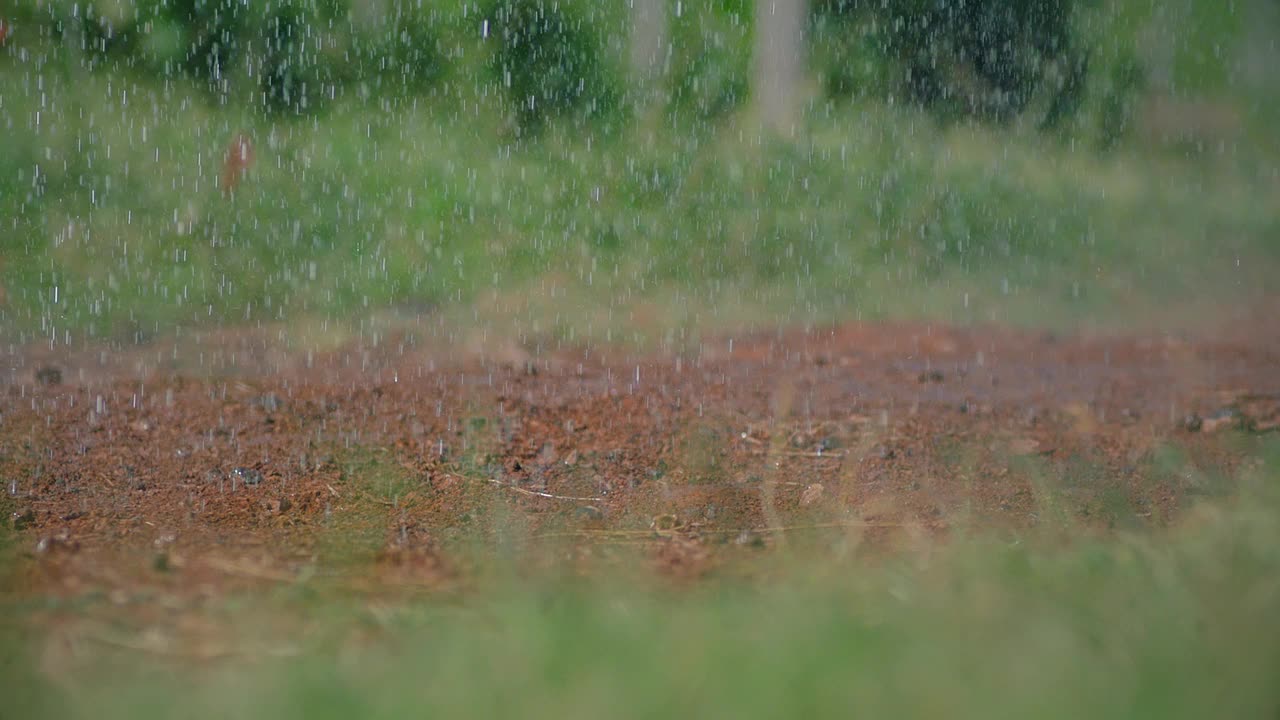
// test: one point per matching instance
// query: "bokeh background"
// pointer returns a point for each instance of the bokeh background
(614, 170)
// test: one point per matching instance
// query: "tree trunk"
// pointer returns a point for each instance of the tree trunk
(649, 46)
(779, 63)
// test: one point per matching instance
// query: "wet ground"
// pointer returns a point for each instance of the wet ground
(194, 467)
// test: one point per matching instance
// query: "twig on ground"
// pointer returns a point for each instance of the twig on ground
(534, 493)
(231, 567)
(380, 501)
(155, 647)
(800, 453)
(160, 646)
(662, 535)
(763, 449)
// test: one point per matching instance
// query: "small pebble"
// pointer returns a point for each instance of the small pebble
(1224, 418)
(23, 519)
(248, 476)
(811, 495)
(49, 375)
(61, 541)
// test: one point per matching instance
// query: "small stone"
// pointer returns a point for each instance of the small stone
(811, 495)
(248, 476)
(62, 541)
(49, 375)
(24, 519)
(1222, 419)
(664, 523)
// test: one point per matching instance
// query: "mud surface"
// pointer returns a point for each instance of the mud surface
(199, 466)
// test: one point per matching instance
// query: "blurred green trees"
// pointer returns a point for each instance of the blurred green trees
(989, 59)
(548, 60)
(986, 58)
(286, 57)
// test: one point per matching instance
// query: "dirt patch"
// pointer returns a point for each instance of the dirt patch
(380, 463)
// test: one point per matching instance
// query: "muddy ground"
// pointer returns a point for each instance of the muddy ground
(199, 466)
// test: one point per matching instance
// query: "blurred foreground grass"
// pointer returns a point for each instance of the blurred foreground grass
(1176, 623)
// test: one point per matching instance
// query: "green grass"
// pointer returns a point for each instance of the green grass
(1175, 623)
(115, 226)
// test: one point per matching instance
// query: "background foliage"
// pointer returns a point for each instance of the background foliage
(1082, 155)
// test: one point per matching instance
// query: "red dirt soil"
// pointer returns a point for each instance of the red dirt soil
(215, 462)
